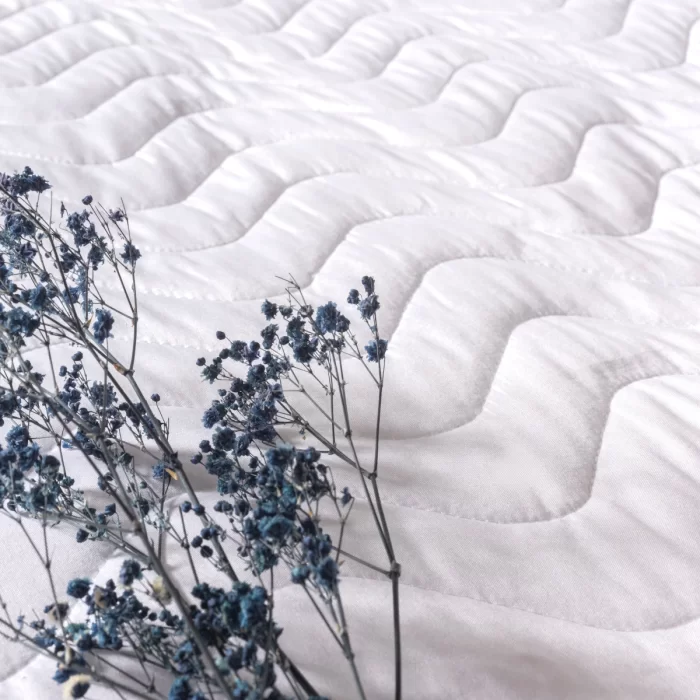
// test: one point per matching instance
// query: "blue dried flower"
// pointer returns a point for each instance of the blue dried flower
(211, 372)
(268, 335)
(180, 689)
(263, 558)
(96, 256)
(376, 350)
(286, 311)
(20, 184)
(102, 326)
(28, 456)
(256, 374)
(224, 439)
(280, 456)
(253, 608)
(269, 309)
(78, 587)
(62, 675)
(213, 414)
(368, 284)
(82, 228)
(326, 573)
(81, 536)
(38, 298)
(295, 329)
(243, 442)
(101, 395)
(309, 455)
(130, 571)
(17, 437)
(237, 350)
(219, 464)
(252, 351)
(353, 297)
(130, 254)
(20, 322)
(327, 317)
(304, 349)
(369, 306)
(343, 324)
(87, 200)
(276, 529)
(17, 228)
(300, 573)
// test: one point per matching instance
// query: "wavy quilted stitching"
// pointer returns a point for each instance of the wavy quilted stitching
(590, 215)
(303, 7)
(549, 231)
(257, 144)
(615, 33)
(374, 76)
(427, 103)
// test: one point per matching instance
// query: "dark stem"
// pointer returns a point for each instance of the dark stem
(349, 654)
(395, 573)
(286, 663)
(380, 511)
(362, 561)
(28, 641)
(186, 547)
(323, 617)
(379, 418)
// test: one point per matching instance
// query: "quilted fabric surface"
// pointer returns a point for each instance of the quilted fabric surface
(522, 178)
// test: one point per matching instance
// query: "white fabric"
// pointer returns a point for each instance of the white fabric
(521, 178)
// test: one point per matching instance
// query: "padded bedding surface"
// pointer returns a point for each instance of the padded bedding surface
(521, 177)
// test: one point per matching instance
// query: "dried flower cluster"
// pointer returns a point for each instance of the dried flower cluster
(210, 641)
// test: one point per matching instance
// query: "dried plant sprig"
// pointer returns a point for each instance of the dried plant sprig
(276, 492)
(210, 640)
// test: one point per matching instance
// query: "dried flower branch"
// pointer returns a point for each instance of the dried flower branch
(211, 641)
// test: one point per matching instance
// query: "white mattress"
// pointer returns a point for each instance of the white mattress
(521, 178)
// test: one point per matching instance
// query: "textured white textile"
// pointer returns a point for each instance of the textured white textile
(521, 178)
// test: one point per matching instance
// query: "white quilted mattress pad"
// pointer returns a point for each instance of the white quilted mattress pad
(521, 177)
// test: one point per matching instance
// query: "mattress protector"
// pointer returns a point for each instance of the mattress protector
(521, 177)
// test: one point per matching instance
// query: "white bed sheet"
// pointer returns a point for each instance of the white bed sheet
(522, 179)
